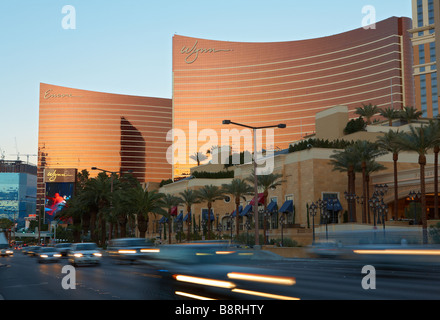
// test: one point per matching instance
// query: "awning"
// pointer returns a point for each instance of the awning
(273, 206)
(287, 207)
(179, 217)
(187, 216)
(174, 211)
(334, 204)
(260, 199)
(163, 220)
(246, 211)
(240, 209)
(205, 215)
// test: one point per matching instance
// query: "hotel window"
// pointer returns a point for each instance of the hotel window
(420, 14)
(423, 100)
(333, 215)
(434, 94)
(290, 217)
(432, 53)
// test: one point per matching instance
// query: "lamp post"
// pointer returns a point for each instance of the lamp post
(247, 225)
(313, 210)
(231, 225)
(254, 129)
(414, 197)
(282, 219)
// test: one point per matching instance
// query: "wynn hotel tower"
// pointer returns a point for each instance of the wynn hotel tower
(261, 84)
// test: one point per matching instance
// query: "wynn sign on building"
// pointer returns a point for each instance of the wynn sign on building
(260, 84)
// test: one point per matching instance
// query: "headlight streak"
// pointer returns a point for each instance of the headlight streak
(125, 251)
(399, 252)
(97, 254)
(205, 281)
(264, 294)
(192, 296)
(150, 250)
(285, 281)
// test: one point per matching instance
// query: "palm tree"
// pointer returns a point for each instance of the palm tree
(367, 111)
(372, 166)
(189, 197)
(389, 114)
(144, 202)
(98, 192)
(409, 114)
(388, 142)
(198, 157)
(239, 189)
(209, 194)
(168, 202)
(421, 140)
(436, 127)
(347, 161)
(365, 151)
(266, 182)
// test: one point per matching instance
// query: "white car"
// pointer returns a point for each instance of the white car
(48, 254)
(84, 253)
(6, 252)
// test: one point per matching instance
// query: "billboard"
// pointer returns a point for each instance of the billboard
(60, 187)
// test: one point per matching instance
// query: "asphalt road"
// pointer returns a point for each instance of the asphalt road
(22, 278)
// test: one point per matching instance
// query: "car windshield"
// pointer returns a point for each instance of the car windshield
(86, 246)
(48, 249)
(63, 245)
(132, 243)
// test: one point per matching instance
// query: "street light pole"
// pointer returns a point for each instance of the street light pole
(255, 209)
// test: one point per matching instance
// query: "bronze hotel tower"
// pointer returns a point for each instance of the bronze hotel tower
(83, 129)
(260, 84)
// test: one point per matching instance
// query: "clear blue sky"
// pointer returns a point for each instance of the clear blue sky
(125, 46)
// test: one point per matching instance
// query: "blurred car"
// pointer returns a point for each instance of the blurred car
(48, 254)
(328, 249)
(63, 248)
(84, 253)
(6, 252)
(131, 249)
(215, 271)
(33, 251)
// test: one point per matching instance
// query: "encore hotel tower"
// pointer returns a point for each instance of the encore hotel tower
(82, 129)
(260, 84)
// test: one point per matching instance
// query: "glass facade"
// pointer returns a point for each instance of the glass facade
(83, 129)
(260, 84)
(17, 196)
(425, 56)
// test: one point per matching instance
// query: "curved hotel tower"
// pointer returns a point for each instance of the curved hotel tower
(83, 129)
(260, 84)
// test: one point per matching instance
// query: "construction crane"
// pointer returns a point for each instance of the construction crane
(26, 154)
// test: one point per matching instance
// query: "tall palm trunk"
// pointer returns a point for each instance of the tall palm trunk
(396, 193)
(208, 222)
(169, 225)
(364, 192)
(237, 216)
(352, 190)
(188, 222)
(436, 151)
(422, 163)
